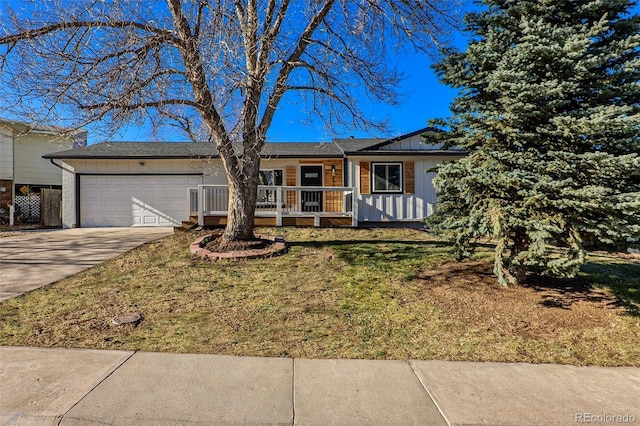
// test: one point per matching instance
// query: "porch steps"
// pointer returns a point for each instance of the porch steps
(187, 225)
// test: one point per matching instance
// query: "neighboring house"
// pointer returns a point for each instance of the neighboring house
(23, 170)
(342, 183)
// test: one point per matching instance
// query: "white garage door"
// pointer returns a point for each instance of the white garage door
(135, 200)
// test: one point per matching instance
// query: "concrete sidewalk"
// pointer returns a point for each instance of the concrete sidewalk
(35, 259)
(78, 387)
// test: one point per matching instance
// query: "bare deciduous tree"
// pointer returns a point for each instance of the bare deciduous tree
(218, 69)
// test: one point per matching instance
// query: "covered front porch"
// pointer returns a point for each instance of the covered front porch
(318, 206)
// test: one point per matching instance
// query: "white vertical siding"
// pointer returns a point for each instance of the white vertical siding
(398, 207)
(6, 154)
(393, 207)
(413, 143)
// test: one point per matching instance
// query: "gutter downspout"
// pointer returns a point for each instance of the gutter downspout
(61, 167)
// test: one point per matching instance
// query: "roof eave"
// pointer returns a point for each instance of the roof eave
(56, 156)
(413, 152)
(293, 156)
(405, 136)
(42, 129)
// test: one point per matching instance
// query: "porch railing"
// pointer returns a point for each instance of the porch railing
(279, 201)
(193, 201)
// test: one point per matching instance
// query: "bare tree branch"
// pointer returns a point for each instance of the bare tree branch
(289, 64)
(31, 34)
(141, 105)
(216, 69)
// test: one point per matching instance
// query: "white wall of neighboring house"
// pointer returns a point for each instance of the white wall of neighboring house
(6, 153)
(30, 167)
(22, 147)
(21, 151)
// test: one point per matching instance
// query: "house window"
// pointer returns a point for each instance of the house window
(387, 177)
(269, 178)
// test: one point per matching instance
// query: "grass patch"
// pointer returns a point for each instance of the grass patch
(619, 274)
(338, 293)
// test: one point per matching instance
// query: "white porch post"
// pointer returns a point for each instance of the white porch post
(354, 208)
(201, 205)
(279, 206)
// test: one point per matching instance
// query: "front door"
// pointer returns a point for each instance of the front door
(311, 176)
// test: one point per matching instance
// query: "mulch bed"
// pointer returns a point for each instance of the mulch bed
(470, 293)
(209, 247)
(214, 245)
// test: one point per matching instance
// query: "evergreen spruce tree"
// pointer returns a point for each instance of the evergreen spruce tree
(549, 110)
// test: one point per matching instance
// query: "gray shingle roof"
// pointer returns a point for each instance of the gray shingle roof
(113, 150)
(168, 150)
(371, 146)
(353, 145)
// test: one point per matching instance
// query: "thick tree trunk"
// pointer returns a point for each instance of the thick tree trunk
(243, 178)
(520, 243)
(241, 211)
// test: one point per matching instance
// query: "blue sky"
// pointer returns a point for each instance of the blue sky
(422, 97)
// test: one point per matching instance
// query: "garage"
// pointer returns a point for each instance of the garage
(134, 200)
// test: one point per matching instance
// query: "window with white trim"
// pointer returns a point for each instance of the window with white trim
(273, 177)
(386, 177)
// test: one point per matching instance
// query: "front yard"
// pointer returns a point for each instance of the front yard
(338, 293)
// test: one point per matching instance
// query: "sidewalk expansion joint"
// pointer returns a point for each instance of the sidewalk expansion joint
(433, 397)
(293, 391)
(116, 368)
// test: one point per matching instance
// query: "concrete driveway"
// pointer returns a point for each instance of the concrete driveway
(35, 259)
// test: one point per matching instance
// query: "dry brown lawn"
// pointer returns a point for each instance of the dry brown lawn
(338, 293)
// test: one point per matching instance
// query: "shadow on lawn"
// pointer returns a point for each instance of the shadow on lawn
(368, 252)
(336, 243)
(623, 280)
(369, 243)
(563, 293)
